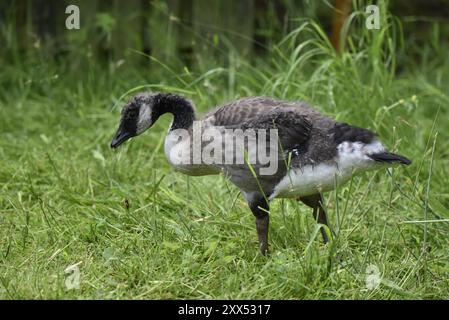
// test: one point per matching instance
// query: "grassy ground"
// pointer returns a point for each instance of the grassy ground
(62, 190)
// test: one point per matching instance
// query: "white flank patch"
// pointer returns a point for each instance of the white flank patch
(352, 157)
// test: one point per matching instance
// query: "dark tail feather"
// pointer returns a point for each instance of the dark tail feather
(388, 157)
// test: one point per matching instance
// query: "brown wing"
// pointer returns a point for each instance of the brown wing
(293, 129)
(292, 121)
(293, 135)
(247, 108)
(289, 118)
(241, 110)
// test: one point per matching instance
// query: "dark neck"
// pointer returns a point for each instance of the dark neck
(181, 108)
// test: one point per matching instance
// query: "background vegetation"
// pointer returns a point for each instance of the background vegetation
(63, 191)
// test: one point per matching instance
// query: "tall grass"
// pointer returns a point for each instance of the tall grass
(63, 191)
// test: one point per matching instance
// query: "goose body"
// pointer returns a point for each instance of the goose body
(308, 152)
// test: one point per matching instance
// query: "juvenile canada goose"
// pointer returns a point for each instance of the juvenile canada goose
(311, 154)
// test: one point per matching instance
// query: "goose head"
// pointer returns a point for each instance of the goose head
(137, 116)
(144, 109)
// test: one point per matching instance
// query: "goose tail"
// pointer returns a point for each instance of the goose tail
(388, 157)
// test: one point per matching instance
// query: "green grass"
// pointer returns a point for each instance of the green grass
(62, 190)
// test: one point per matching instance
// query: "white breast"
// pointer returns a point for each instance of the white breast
(179, 153)
(352, 157)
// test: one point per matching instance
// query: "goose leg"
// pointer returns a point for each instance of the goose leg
(259, 207)
(319, 214)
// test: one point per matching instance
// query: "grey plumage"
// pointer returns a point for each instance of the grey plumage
(315, 150)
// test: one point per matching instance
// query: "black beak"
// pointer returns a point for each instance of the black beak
(121, 136)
